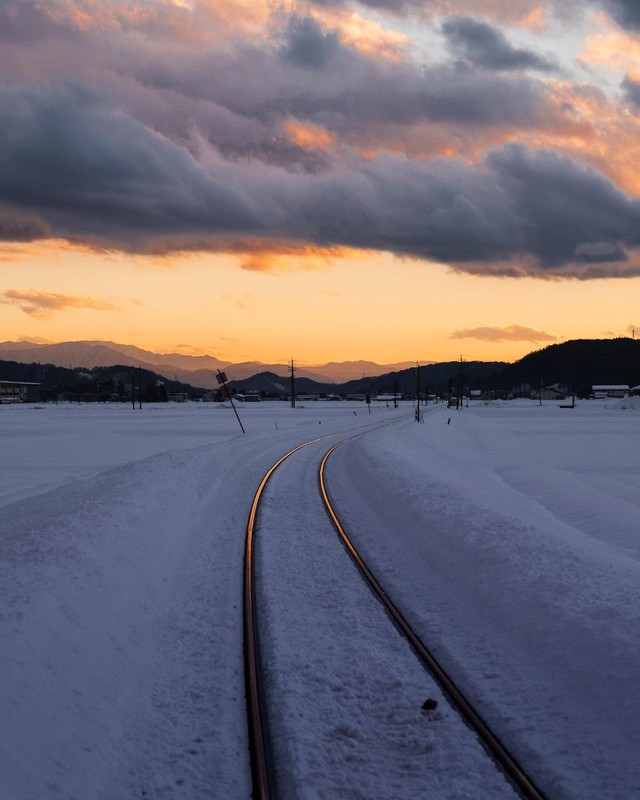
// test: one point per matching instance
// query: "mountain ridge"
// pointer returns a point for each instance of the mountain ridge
(576, 364)
(196, 370)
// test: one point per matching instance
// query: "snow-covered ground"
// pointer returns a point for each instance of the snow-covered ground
(508, 534)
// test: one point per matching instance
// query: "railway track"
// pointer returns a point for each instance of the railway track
(262, 758)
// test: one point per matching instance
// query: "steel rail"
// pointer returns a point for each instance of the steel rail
(259, 746)
(263, 773)
(497, 750)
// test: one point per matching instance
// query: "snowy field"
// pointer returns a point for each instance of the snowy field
(507, 533)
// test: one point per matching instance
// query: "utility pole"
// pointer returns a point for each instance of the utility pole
(459, 400)
(417, 392)
(395, 392)
(140, 388)
(293, 386)
(133, 387)
(222, 378)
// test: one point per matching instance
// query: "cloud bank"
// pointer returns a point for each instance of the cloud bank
(507, 333)
(43, 305)
(213, 127)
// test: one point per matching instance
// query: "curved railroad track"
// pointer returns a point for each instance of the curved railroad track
(261, 759)
(262, 763)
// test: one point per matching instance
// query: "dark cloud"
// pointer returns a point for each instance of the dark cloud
(486, 46)
(631, 91)
(516, 10)
(189, 147)
(349, 92)
(240, 97)
(28, 21)
(308, 45)
(625, 12)
(566, 209)
(91, 173)
(16, 226)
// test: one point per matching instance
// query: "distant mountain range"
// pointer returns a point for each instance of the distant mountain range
(576, 364)
(195, 370)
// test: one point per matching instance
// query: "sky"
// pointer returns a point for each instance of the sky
(324, 180)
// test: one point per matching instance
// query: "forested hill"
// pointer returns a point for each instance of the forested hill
(579, 363)
(434, 378)
(96, 383)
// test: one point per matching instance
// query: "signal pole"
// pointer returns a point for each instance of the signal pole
(222, 378)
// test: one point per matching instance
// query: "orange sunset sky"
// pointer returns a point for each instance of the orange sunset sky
(387, 180)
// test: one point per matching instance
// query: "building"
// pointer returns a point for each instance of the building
(549, 393)
(19, 392)
(604, 391)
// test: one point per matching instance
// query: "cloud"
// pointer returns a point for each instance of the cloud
(43, 305)
(610, 47)
(631, 90)
(19, 226)
(95, 175)
(392, 6)
(200, 22)
(125, 131)
(486, 46)
(236, 96)
(528, 13)
(625, 12)
(507, 333)
(308, 45)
